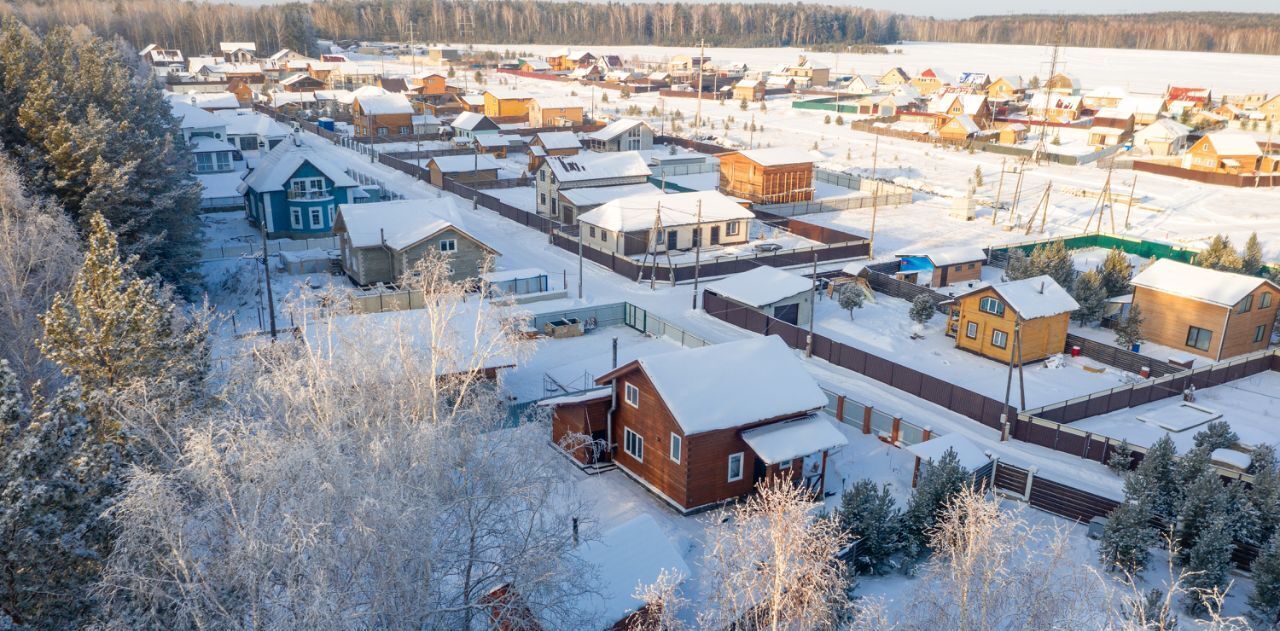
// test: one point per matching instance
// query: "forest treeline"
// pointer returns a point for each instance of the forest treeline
(199, 26)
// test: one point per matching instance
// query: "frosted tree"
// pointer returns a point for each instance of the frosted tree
(922, 309)
(869, 514)
(1091, 295)
(1251, 258)
(1054, 260)
(1018, 266)
(1129, 329)
(663, 602)
(850, 297)
(940, 481)
(977, 176)
(1208, 564)
(770, 564)
(1205, 499)
(1263, 497)
(1121, 458)
(1216, 435)
(1156, 481)
(1220, 255)
(1265, 598)
(1127, 538)
(1116, 270)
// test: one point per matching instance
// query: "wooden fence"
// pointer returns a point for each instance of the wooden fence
(1224, 179)
(1121, 358)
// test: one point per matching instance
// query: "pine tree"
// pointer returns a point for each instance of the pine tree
(742, 105)
(850, 297)
(869, 513)
(1204, 499)
(1034, 83)
(1129, 329)
(112, 327)
(1155, 482)
(922, 309)
(1127, 538)
(1018, 266)
(1216, 435)
(1092, 297)
(826, 120)
(1121, 458)
(1208, 563)
(940, 482)
(1265, 598)
(1116, 270)
(1054, 260)
(1220, 255)
(977, 176)
(1251, 258)
(1262, 497)
(839, 120)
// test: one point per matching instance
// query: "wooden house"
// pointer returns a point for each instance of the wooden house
(627, 225)
(1223, 152)
(238, 52)
(862, 84)
(959, 128)
(584, 170)
(506, 104)
(535, 65)
(1011, 133)
(553, 112)
(771, 291)
(941, 267)
(1270, 110)
(462, 168)
(1063, 84)
(441, 54)
(1145, 109)
(382, 115)
(1006, 88)
(302, 82)
(496, 145)
(894, 77)
(295, 191)
(767, 176)
(885, 105)
(1103, 97)
(701, 427)
(975, 106)
(995, 320)
(931, 80)
(748, 89)
(396, 85)
(808, 73)
(624, 134)
(428, 83)
(1165, 137)
(382, 241)
(1055, 108)
(1205, 312)
(1111, 126)
(468, 125)
(552, 143)
(1200, 97)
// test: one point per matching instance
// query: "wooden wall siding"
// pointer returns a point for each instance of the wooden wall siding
(1238, 338)
(956, 274)
(760, 184)
(655, 424)
(1168, 318)
(582, 418)
(1041, 337)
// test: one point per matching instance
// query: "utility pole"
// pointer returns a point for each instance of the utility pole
(579, 261)
(266, 271)
(1132, 188)
(697, 254)
(995, 208)
(697, 115)
(875, 198)
(1038, 153)
(751, 136)
(813, 306)
(1017, 192)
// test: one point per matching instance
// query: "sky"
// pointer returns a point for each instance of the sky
(961, 9)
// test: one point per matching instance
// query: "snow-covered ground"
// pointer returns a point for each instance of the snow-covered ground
(575, 362)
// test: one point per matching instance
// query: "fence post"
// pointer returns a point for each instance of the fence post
(866, 420)
(840, 408)
(1031, 476)
(897, 427)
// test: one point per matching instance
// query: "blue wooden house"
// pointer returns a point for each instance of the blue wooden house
(296, 192)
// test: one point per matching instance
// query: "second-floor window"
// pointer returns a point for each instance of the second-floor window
(308, 188)
(448, 245)
(992, 306)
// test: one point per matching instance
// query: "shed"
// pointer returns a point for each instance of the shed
(941, 267)
(774, 292)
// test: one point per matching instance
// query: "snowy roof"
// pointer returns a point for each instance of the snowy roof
(464, 162)
(471, 121)
(1107, 92)
(206, 100)
(282, 98)
(594, 394)
(341, 96)
(1012, 79)
(473, 99)
(732, 384)
(626, 556)
(788, 440)
(974, 77)
(282, 162)
(1141, 104)
(557, 103)
(230, 47)
(253, 123)
(747, 83)
(494, 141)
(1055, 101)
(933, 449)
(1199, 283)
(966, 123)
(294, 78)
(1163, 128)
(280, 54)
(385, 104)
(1113, 112)
(401, 223)
(615, 129)
(679, 209)
(598, 166)
(559, 140)
(220, 185)
(508, 94)
(205, 144)
(1234, 144)
(1036, 297)
(597, 195)
(537, 64)
(776, 156)
(761, 286)
(948, 256)
(192, 117)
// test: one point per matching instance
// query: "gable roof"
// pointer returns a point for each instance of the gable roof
(1198, 283)
(551, 102)
(402, 223)
(598, 166)
(598, 195)
(630, 214)
(1035, 297)
(947, 256)
(282, 162)
(384, 104)
(615, 129)
(464, 162)
(1163, 128)
(206, 100)
(558, 140)
(245, 123)
(776, 156)
(472, 121)
(192, 117)
(729, 385)
(231, 47)
(1234, 144)
(965, 122)
(761, 286)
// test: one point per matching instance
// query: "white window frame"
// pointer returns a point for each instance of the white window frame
(633, 444)
(317, 216)
(786, 464)
(631, 395)
(1004, 337)
(971, 330)
(742, 463)
(295, 217)
(731, 228)
(448, 245)
(998, 310)
(676, 450)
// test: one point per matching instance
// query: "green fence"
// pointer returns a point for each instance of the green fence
(1129, 245)
(847, 106)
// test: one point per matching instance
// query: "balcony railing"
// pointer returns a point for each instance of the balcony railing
(310, 195)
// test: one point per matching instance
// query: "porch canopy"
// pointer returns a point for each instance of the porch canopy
(788, 440)
(971, 457)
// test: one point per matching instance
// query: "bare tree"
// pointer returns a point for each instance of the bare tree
(772, 564)
(663, 602)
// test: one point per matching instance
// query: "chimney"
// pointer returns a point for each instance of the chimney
(1042, 287)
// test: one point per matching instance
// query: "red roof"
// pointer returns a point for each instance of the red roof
(1197, 95)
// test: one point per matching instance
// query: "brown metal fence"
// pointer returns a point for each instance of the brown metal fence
(1120, 358)
(1224, 179)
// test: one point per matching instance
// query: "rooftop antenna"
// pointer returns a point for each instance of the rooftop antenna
(1040, 150)
(697, 115)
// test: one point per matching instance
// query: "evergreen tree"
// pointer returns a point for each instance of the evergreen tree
(939, 483)
(1092, 297)
(1127, 538)
(922, 309)
(1205, 499)
(977, 176)
(1129, 329)
(1251, 258)
(850, 297)
(1155, 482)
(1034, 83)
(1208, 563)
(742, 105)
(1018, 266)
(1054, 260)
(1265, 598)
(58, 481)
(112, 327)
(1116, 270)
(1216, 435)
(870, 514)
(826, 120)
(1262, 498)
(1220, 255)
(1121, 458)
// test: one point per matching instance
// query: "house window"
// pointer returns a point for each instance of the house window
(731, 229)
(382, 131)
(992, 306)
(224, 160)
(735, 467)
(316, 221)
(633, 444)
(1265, 301)
(632, 395)
(448, 245)
(295, 217)
(542, 177)
(786, 464)
(331, 214)
(543, 197)
(1245, 305)
(404, 131)
(604, 236)
(592, 231)
(307, 188)
(971, 330)
(1259, 333)
(677, 447)
(1199, 338)
(999, 339)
